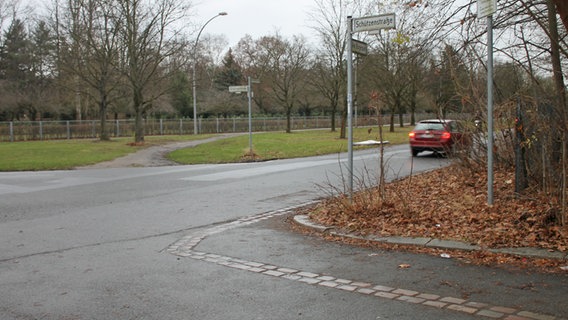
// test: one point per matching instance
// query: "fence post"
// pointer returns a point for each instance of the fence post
(161, 127)
(68, 130)
(41, 130)
(117, 129)
(11, 131)
(180, 127)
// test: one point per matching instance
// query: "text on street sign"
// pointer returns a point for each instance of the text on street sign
(384, 21)
(359, 47)
(238, 89)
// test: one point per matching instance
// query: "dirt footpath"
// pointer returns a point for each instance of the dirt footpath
(153, 156)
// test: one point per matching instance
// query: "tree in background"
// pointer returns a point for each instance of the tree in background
(250, 55)
(43, 68)
(281, 65)
(329, 69)
(288, 59)
(92, 29)
(181, 94)
(149, 38)
(229, 73)
(15, 71)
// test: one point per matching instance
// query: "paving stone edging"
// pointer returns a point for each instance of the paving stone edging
(305, 221)
(186, 247)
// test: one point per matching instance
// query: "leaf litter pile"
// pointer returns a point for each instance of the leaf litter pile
(451, 204)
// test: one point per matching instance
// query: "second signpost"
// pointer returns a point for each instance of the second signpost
(248, 90)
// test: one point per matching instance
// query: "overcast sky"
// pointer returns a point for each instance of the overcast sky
(255, 17)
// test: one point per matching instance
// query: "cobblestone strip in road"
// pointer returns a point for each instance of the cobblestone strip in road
(185, 248)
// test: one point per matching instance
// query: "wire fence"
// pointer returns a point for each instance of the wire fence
(90, 129)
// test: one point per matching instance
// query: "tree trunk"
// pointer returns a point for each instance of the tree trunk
(555, 57)
(558, 80)
(333, 121)
(413, 112)
(562, 8)
(139, 119)
(559, 152)
(103, 110)
(288, 120)
(334, 104)
(139, 128)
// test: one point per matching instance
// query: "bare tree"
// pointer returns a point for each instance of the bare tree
(284, 63)
(88, 30)
(562, 8)
(250, 56)
(329, 69)
(149, 36)
(528, 34)
(43, 68)
(330, 24)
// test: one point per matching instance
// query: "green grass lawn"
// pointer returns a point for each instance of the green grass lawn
(67, 154)
(279, 145)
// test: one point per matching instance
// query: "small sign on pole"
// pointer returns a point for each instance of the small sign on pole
(486, 8)
(238, 89)
(359, 47)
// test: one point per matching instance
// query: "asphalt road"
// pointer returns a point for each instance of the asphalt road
(213, 242)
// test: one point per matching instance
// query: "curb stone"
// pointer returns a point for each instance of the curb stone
(305, 221)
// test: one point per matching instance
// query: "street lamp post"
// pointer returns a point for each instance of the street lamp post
(194, 85)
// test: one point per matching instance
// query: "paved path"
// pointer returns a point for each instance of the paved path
(154, 156)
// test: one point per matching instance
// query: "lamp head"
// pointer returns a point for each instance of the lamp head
(223, 13)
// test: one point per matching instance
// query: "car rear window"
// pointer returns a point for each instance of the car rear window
(429, 126)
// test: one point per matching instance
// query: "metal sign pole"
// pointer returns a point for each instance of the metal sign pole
(490, 110)
(486, 8)
(249, 91)
(350, 103)
(384, 21)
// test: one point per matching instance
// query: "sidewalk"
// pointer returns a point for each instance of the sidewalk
(305, 221)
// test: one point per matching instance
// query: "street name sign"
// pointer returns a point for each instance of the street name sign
(238, 89)
(359, 47)
(383, 21)
(486, 8)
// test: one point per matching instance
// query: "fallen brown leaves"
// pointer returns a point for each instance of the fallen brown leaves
(451, 204)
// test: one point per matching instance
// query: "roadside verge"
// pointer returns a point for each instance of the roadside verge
(304, 220)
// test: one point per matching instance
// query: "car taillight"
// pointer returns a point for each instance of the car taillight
(412, 135)
(446, 135)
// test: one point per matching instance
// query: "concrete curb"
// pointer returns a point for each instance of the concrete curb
(305, 221)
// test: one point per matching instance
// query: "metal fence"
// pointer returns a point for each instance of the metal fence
(90, 129)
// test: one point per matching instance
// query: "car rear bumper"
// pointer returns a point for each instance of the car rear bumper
(428, 146)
